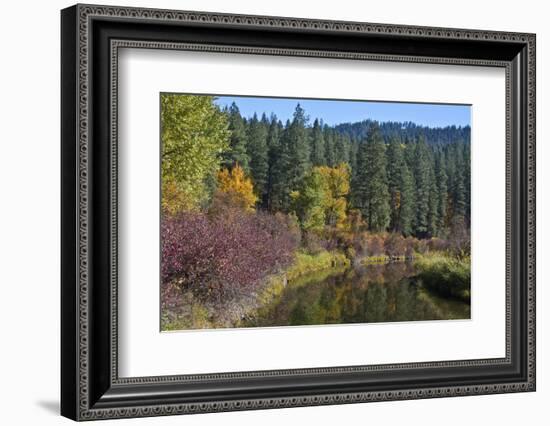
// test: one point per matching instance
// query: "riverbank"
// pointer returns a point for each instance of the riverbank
(197, 315)
(445, 275)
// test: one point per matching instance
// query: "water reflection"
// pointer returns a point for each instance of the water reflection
(373, 293)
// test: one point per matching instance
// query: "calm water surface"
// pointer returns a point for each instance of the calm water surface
(372, 293)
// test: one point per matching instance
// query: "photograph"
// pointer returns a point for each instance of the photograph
(290, 212)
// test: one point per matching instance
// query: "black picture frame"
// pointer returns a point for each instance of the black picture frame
(90, 386)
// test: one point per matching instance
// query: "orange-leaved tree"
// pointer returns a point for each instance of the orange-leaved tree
(236, 189)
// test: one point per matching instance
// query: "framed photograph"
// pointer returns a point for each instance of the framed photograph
(263, 212)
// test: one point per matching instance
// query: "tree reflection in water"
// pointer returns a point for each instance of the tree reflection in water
(372, 293)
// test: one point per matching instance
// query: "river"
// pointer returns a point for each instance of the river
(366, 294)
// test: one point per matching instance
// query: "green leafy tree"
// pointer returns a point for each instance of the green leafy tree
(194, 135)
(336, 185)
(309, 202)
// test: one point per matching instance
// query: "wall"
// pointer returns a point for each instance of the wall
(29, 224)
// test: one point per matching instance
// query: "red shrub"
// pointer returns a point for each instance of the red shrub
(218, 257)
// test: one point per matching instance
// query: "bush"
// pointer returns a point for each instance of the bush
(447, 276)
(375, 245)
(313, 243)
(395, 245)
(437, 244)
(219, 257)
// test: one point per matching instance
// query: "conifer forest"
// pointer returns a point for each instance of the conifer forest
(281, 221)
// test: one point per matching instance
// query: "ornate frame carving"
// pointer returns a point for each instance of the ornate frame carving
(84, 396)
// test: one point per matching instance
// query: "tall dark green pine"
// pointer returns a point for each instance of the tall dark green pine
(467, 181)
(298, 149)
(258, 153)
(396, 161)
(294, 161)
(400, 187)
(441, 178)
(370, 187)
(317, 144)
(406, 215)
(341, 149)
(459, 190)
(280, 192)
(237, 154)
(273, 156)
(422, 178)
(328, 136)
(433, 213)
(354, 146)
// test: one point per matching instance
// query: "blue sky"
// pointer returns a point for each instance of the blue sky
(334, 112)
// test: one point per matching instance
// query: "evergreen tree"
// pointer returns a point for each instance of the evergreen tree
(296, 153)
(258, 154)
(459, 191)
(441, 177)
(353, 156)
(273, 156)
(406, 213)
(280, 160)
(467, 181)
(400, 188)
(422, 177)
(433, 213)
(328, 136)
(237, 152)
(341, 149)
(371, 194)
(317, 144)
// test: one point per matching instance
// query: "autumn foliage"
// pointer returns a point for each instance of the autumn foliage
(236, 189)
(219, 257)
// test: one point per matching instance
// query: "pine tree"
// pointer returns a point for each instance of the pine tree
(353, 156)
(467, 181)
(401, 189)
(237, 153)
(296, 148)
(273, 154)
(371, 194)
(406, 214)
(459, 191)
(258, 153)
(317, 145)
(422, 177)
(328, 136)
(433, 213)
(441, 177)
(341, 149)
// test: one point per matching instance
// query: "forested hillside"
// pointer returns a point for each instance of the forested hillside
(407, 131)
(403, 177)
